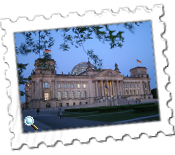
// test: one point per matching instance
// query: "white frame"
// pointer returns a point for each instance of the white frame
(100, 132)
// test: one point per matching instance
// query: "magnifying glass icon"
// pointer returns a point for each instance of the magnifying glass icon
(29, 122)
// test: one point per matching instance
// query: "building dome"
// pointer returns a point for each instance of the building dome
(81, 67)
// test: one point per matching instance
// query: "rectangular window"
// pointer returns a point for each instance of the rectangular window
(72, 95)
(59, 95)
(67, 104)
(133, 85)
(46, 96)
(126, 85)
(78, 95)
(65, 94)
(129, 85)
(59, 85)
(137, 85)
(65, 85)
(84, 85)
(72, 85)
(78, 85)
(84, 94)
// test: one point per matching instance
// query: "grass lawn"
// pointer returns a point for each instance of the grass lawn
(117, 116)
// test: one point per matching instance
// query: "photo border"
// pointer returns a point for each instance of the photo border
(160, 142)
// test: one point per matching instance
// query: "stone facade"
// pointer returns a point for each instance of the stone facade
(45, 88)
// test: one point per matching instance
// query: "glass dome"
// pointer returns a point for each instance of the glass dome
(79, 68)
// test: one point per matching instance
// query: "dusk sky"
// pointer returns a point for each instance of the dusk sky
(137, 45)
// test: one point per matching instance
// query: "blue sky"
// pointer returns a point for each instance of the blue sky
(137, 45)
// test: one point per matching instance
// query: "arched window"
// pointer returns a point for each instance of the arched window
(84, 94)
(67, 104)
(46, 85)
(84, 85)
(72, 94)
(74, 103)
(130, 92)
(65, 94)
(59, 95)
(137, 92)
(78, 95)
(126, 92)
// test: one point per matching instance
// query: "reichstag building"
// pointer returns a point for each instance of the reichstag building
(84, 86)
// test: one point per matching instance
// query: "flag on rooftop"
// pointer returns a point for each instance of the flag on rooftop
(47, 51)
(139, 61)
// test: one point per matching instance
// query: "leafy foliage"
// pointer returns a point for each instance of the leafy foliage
(79, 35)
(154, 93)
(35, 41)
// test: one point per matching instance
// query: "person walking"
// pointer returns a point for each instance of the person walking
(37, 110)
(60, 113)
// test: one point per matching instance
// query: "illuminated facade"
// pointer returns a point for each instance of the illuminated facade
(89, 87)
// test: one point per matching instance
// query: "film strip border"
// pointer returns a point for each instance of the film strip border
(13, 11)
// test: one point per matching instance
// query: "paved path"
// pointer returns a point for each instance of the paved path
(45, 121)
(48, 121)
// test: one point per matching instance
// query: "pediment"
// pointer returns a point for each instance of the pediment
(109, 73)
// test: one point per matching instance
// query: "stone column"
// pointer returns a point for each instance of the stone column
(117, 88)
(76, 96)
(96, 89)
(121, 88)
(149, 87)
(69, 89)
(108, 88)
(53, 87)
(81, 89)
(113, 88)
(102, 88)
(32, 92)
(62, 90)
(141, 89)
(41, 89)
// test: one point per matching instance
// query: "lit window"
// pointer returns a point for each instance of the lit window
(126, 92)
(78, 85)
(59, 95)
(84, 85)
(65, 94)
(137, 92)
(72, 94)
(84, 94)
(65, 85)
(72, 85)
(46, 85)
(46, 96)
(59, 85)
(78, 95)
